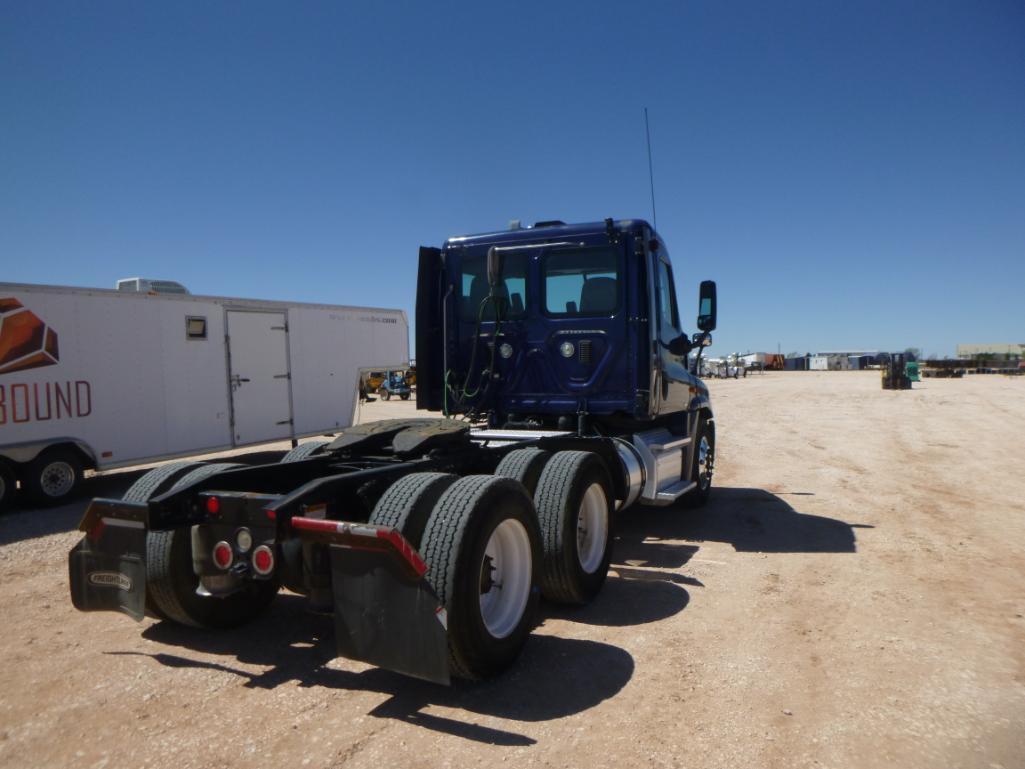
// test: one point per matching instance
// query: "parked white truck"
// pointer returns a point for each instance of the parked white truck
(94, 378)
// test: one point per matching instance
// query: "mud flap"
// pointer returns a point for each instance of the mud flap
(385, 618)
(386, 613)
(107, 569)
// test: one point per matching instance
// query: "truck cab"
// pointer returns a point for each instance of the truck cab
(558, 326)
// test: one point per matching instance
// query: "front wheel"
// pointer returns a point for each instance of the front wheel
(483, 548)
(703, 464)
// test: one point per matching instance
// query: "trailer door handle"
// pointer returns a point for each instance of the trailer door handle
(237, 380)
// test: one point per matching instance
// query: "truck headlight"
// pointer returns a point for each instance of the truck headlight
(505, 350)
(567, 349)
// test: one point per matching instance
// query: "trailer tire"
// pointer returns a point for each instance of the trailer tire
(8, 486)
(483, 522)
(172, 583)
(303, 451)
(408, 503)
(53, 476)
(574, 509)
(703, 464)
(525, 466)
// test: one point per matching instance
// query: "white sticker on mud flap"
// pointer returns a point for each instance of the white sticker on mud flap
(442, 616)
(110, 579)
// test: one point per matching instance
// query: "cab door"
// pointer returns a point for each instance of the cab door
(674, 378)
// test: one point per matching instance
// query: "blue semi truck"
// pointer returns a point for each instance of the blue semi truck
(566, 390)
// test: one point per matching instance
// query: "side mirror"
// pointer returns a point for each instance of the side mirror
(494, 266)
(706, 306)
(705, 340)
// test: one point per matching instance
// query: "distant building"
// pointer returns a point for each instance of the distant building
(829, 362)
(1000, 349)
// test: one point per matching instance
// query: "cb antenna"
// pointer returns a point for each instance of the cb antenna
(651, 175)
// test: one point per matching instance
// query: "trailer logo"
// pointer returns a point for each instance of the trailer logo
(25, 340)
(110, 579)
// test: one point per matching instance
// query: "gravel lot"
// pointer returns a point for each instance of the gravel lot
(853, 595)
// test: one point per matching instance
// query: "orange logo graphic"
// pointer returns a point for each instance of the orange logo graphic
(25, 340)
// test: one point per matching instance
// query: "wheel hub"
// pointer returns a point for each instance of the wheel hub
(505, 577)
(592, 528)
(706, 459)
(57, 479)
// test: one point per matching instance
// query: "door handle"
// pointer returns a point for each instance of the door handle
(237, 380)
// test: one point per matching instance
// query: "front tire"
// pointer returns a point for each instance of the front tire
(703, 464)
(574, 508)
(483, 549)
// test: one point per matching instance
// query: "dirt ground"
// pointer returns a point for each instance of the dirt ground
(852, 596)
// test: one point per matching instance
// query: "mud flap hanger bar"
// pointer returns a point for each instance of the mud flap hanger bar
(385, 612)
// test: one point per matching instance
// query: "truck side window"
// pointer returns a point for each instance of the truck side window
(582, 282)
(669, 317)
(512, 288)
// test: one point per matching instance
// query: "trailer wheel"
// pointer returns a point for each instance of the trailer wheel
(303, 451)
(574, 509)
(8, 486)
(408, 503)
(385, 395)
(703, 465)
(53, 476)
(525, 466)
(172, 583)
(483, 549)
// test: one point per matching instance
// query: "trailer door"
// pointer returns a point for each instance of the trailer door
(261, 405)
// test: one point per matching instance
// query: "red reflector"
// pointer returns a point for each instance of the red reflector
(271, 514)
(263, 560)
(213, 505)
(223, 555)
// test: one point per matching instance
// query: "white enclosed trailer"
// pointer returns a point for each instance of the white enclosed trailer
(94, 378)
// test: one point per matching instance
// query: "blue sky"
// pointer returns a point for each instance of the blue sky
(852, 174)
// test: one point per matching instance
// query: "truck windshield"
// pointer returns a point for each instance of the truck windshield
(582, 282)
(512, 288)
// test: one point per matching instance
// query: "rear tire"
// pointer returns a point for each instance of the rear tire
(525, 466)
(483, 549)
(574, 508)
(171, 581)
(405, 396)
(53, 476)
(304, 451)
(150, 485)
(409, 502)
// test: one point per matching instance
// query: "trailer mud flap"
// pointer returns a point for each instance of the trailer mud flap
(386, 613)
(107, 569)
(385, 618)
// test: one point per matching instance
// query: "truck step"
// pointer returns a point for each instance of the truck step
(674, 492)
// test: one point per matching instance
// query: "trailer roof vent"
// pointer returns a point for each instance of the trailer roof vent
(550, 223)
(151, 286)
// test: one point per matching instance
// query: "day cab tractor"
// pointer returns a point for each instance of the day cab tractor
(557, 358)
(394, 385)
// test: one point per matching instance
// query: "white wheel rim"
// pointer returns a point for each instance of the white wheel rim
(57, 479)
(505, 578)
(592, 528)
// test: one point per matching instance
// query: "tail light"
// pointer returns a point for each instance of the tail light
(263, 560)
(213, 505)
(224, 556)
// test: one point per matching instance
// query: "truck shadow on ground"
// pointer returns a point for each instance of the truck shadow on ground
(751, 520)
(653, 543)
(553, 678)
